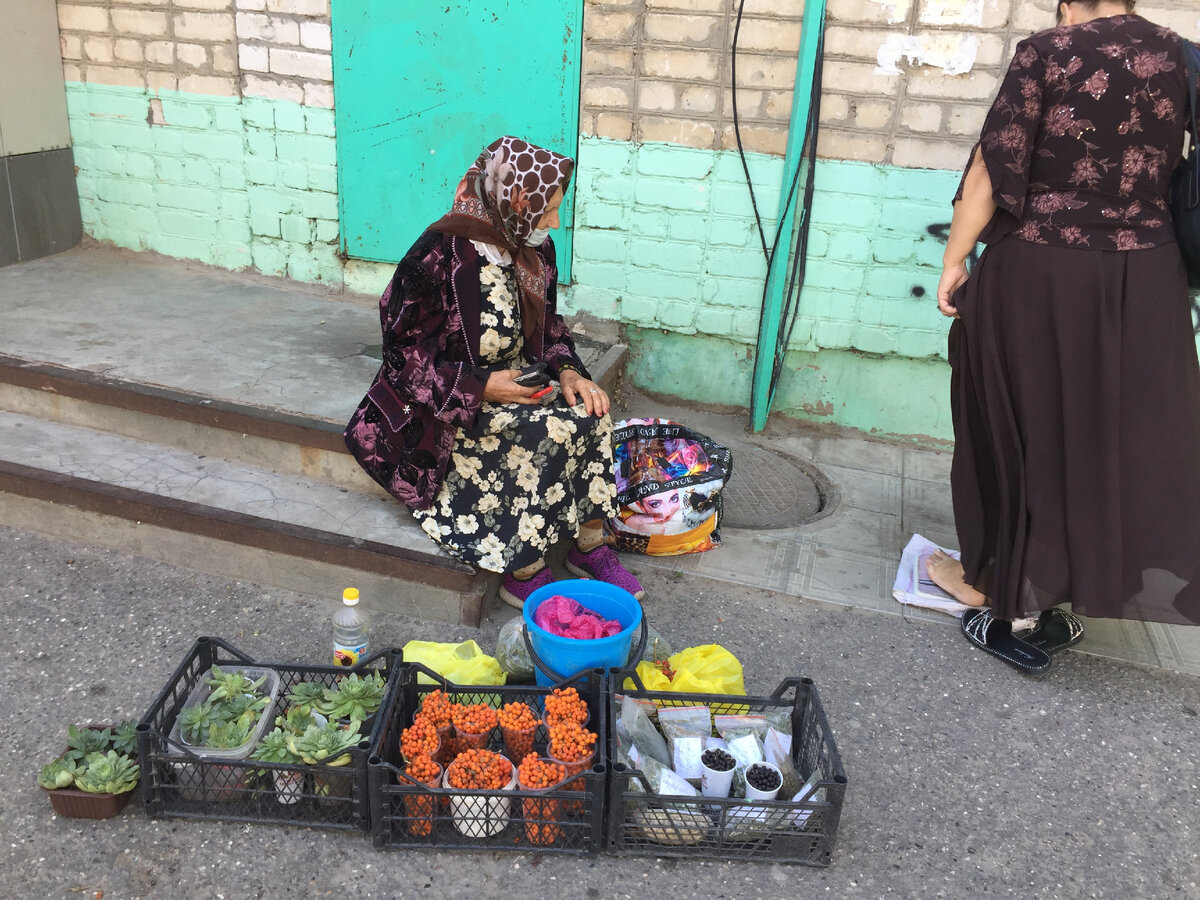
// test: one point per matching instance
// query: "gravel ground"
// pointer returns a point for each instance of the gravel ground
(965, 778)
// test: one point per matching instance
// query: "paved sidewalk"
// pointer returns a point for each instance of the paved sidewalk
(887, 493)
(291, 348)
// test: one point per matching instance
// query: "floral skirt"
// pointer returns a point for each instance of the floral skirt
(521, 478)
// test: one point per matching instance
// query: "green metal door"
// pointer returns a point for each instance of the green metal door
(421, 87)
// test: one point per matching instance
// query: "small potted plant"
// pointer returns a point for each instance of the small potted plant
(480, 770)
(306, 693)
(224, 783)
(95, 776)
(353, 698)
(327, 746)
(273, 748)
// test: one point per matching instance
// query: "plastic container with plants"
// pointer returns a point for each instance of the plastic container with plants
(222, 720)
(95, 776)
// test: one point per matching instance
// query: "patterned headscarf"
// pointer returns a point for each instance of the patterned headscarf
(500, 201)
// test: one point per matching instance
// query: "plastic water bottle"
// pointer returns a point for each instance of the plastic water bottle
(349, 631)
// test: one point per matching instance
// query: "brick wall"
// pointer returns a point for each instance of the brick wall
(204, 129)
(268, 48)
(906, 82)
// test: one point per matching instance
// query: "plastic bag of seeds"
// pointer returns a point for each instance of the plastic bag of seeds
(635, 730)
(744, 737)
(777, 749)
(686, 728)
(663, 779)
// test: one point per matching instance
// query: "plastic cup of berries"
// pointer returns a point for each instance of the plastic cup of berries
(716, 776)
(763, 781)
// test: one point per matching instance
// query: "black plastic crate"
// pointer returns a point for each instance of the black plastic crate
(407, 815)
(642, 823)
(178, 783)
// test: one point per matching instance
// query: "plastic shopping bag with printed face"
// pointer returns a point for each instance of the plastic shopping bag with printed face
(669, 483)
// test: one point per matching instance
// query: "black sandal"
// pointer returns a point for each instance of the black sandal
(1056, 630)
(995, 636)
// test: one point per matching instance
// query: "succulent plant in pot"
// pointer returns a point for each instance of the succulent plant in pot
(327, 746)
(353, 698)
(306, 693)
(96, 774)
(289, 783)
(107, 773)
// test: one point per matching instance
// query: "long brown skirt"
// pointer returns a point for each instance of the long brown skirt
(1076, 405)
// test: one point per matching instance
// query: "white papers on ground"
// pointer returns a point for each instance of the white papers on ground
(913, 585)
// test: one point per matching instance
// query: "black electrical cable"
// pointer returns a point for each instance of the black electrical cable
(737, 130)
(789, 312)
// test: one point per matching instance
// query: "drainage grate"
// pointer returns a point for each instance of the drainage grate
(774, 490)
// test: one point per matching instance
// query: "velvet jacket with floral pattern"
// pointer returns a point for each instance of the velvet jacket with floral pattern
(431, 383)
(1084, 134)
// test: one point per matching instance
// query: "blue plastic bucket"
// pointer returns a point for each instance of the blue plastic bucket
(564, 657)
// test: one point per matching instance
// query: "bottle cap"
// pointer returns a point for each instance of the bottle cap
(350, 596)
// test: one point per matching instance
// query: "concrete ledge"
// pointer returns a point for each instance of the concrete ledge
(259, 550)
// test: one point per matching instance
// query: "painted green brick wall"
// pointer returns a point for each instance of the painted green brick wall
(666, 242)
(227, 181)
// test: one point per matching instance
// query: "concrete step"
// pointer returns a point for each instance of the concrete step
(152, 368)
(226, 517)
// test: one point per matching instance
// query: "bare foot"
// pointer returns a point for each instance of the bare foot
(947, 573)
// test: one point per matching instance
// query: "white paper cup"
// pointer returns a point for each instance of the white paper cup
(753, 793)
(715, 783)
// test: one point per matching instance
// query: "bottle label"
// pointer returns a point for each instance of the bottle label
(348, 656)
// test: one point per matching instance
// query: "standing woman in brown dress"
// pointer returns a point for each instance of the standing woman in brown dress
(1075, 385)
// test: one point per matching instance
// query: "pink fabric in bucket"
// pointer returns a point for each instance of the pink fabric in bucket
(564, 617)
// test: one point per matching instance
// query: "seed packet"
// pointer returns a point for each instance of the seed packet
(686, 728)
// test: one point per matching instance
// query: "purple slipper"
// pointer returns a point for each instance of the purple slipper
(601, 564)
(515, 592)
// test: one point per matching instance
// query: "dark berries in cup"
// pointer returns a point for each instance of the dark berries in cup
(718, 760)
(763, 779)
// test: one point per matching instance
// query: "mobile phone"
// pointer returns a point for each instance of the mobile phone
(533, 376)
(543, 392)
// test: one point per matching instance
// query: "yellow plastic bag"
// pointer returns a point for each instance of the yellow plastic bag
(708, 669)
(463, 663)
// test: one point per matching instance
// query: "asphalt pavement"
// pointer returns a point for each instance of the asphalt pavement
(965, 778)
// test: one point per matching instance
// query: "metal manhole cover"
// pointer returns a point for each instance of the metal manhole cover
(773, 490)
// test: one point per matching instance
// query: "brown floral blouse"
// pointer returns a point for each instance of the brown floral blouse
(1084, 134)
